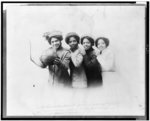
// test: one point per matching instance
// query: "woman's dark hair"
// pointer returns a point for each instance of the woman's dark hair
(72, 34)
(106, 40)
(89, 38)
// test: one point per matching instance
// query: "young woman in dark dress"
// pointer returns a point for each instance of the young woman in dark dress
(90, 62)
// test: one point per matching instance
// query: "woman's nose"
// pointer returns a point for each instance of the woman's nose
(55, 42)
(73, 43)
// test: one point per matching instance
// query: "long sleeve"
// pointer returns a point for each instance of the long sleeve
(90, 61)
(65, 60)
(106, 60)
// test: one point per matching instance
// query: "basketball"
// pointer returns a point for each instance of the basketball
(48, 56)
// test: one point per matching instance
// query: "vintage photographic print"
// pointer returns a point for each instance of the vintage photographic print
(74, 59)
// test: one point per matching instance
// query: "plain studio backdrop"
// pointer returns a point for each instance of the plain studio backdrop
(123, 90)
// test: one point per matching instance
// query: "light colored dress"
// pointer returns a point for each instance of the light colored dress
(106, 60)
(77, 72)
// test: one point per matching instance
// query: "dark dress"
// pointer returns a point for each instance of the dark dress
(58, 74)
(92, 68)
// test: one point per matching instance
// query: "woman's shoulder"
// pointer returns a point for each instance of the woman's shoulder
(108, 51)
(66, 51)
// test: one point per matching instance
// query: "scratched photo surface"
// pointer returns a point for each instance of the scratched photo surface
(27, 89)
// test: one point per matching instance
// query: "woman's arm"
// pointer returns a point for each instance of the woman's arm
(77, 58)
(39, 63)
(91, 61)
(64, 62)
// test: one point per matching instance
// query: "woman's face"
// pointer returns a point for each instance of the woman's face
(101, 44)
(86, 44)
(55, 42)
(73, 43)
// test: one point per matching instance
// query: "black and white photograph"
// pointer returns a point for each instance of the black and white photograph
(74, 59)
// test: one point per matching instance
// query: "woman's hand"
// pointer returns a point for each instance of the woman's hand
(57, 61)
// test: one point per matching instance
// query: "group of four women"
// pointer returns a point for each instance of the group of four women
(85, 64)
